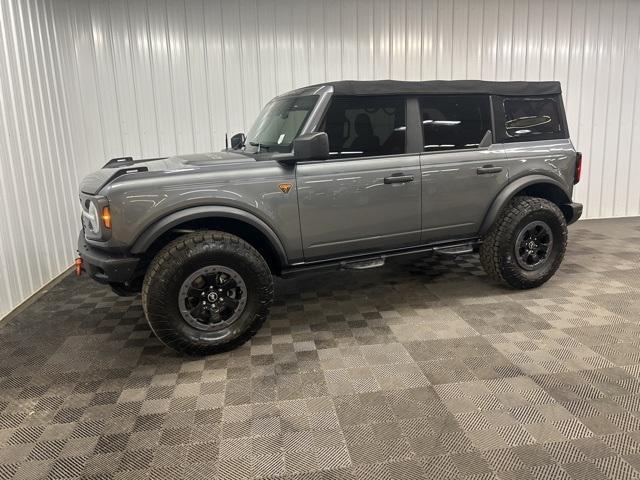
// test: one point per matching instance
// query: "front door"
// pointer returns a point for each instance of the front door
(366, 196)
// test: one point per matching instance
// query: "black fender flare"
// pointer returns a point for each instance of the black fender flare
(511, 190)
(144, 241)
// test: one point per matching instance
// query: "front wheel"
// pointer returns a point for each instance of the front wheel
(526, 244)
(207, 292)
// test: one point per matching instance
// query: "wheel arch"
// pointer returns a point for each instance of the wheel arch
(228, 219)
(540, 186)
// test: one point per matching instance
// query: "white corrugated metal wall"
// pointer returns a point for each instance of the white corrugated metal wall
(38, 221)
(147, 78)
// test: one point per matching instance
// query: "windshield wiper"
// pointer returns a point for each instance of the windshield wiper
(260, 146)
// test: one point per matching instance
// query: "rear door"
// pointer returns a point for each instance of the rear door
(460, 178)
(366, 196)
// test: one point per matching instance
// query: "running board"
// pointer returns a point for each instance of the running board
(454, 251)
(363, 264)
(377, 260)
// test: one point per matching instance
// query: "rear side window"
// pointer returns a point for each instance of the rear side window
(454, 122)
(532, 119)
(364, 126)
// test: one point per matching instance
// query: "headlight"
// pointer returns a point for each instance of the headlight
(93, 219)
(96, 218)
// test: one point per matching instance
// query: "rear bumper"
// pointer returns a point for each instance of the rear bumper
(573, 211)
(106, 267)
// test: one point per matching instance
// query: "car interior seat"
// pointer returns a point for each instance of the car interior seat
(366, 141)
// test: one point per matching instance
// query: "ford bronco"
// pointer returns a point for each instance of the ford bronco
(345, 175)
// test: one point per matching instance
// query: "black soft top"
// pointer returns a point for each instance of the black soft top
(398, 87)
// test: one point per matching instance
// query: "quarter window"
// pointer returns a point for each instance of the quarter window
(532, 118)
(454, 122)
(363, 126)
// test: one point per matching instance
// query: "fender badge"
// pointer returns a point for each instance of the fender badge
(284, 187)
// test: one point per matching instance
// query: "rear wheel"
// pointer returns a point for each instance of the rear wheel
(526, 244)
(207, 292)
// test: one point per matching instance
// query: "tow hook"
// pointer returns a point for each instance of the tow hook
(79, 266)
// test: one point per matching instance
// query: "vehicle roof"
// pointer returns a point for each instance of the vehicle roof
(448, 87)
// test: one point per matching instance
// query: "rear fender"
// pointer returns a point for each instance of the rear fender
(512, 189)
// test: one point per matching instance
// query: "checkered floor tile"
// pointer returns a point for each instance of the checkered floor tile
(421, 369)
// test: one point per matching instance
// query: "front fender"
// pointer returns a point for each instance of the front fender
(511, 190)
(144, 241)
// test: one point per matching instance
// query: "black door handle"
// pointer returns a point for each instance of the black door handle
(398, 178)
(488, 169)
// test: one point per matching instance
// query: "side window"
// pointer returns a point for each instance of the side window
(364, 126)
(454, 122)
(532, 118)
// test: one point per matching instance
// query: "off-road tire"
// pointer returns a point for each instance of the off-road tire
(179, 259)
(497, 252)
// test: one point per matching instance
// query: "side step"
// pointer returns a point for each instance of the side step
(363, 264)
(455, 250)
(460, 247)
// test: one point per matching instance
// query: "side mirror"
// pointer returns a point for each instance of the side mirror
(487, 140)
(237, 141)
(311, 146)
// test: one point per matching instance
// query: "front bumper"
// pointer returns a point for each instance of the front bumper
(573, 211)
(106, 267)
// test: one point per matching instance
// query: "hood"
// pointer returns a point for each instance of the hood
(96, 181)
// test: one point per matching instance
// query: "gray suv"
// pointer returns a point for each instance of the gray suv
(338, 175)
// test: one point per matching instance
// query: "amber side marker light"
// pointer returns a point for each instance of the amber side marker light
(79, 266)
(106, 217)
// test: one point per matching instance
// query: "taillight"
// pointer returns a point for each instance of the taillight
(578, 172)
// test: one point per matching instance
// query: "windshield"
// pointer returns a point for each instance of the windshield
(279, 123)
